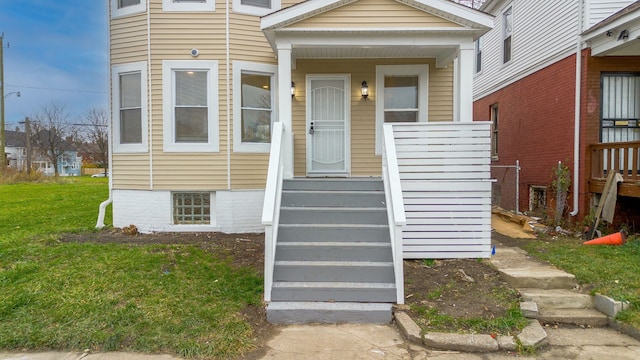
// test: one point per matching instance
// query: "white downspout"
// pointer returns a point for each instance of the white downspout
(576, 129)
(103, 205)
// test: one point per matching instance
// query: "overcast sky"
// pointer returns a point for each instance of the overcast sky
(58, 53)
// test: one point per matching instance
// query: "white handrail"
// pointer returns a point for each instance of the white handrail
(395, 206)
(271, 207)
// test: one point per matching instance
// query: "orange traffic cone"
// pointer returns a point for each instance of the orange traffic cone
(618, 238)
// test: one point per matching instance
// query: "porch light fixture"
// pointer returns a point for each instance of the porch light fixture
(293, 89)
(365, 90)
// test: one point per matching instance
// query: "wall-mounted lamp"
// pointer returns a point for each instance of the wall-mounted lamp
(609, 33)
(365, 90)
(624, 35)
(293, 89)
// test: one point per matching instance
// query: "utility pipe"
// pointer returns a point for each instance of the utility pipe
(576, 121)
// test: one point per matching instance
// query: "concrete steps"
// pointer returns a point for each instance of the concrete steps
(552, 290)
(333, 254)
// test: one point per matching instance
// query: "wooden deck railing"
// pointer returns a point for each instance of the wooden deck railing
(623, 157)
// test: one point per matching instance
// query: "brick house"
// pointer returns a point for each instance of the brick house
(525, 81)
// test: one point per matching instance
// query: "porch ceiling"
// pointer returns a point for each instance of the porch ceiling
(355, 52)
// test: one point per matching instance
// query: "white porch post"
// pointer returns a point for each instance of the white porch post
(284, 105)
(465, 83)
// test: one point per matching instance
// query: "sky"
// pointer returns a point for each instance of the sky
(58, 54)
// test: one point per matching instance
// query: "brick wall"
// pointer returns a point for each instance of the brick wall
(535, 126)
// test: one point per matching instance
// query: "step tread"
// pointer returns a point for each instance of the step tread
(322, 191)
(333, 263)
(334, 208)
(589, 317)
(324, 305)
(334, 285)
(335, 244)
(334, 226)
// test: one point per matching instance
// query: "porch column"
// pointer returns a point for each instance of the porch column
(284, 105)
(465, 83)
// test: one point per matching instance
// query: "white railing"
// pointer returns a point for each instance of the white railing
(271, 207)
(395, 207)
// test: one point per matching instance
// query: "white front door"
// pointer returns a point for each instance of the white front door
(328, 146)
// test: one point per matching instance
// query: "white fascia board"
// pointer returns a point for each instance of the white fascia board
(337, 39)
(298, 12)
(490, 6)
(477, 18)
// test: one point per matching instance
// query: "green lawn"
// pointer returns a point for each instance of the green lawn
(73, 296)
(610, 270)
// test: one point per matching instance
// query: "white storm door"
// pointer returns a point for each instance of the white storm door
(328, 146)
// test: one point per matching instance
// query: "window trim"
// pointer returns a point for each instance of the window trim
(168, 100)
(508, 9)
(238, 68)
(240, 8)
(478, 56)
(420, 70)
(495, 127)
(129, 10)
(171, 5)
(116, 71)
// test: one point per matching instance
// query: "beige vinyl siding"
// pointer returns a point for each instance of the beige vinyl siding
(247, 43)
(380, 13)
(130, 171)
(364, 162)
(440, 93)
(129, 44)
(129, 39)
(173, 35)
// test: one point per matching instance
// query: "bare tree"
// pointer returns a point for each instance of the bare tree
(95, 127)
(53, 133)
(471, 3)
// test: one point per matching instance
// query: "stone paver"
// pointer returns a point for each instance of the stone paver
(585, 337)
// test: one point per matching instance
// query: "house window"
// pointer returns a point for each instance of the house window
(127, 7)
(401, 96)
(129, 107)
(191, 208)
(256, 7)
(507, 30)
(494, 131)
(253, 106)
(188, 5)
(190, 110)
(478, 51)
(620, 117)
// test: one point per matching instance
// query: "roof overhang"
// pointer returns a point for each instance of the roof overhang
(376, 42)
(617, 35)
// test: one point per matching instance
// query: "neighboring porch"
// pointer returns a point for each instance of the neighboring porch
(622, 157)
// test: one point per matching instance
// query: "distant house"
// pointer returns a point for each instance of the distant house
(526, 71)
(69, 163)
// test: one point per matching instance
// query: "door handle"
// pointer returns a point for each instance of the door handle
(311, 129)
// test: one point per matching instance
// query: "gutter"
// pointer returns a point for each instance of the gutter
(576, 125)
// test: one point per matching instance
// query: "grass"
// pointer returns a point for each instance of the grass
(70, 296)
(609, 270)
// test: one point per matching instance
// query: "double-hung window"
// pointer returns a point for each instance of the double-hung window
(190, 105)
(188, 5)
(253, 106)
(127, 7)
(256, 7)
(401, 96)
(129, 107)
(507, 31)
